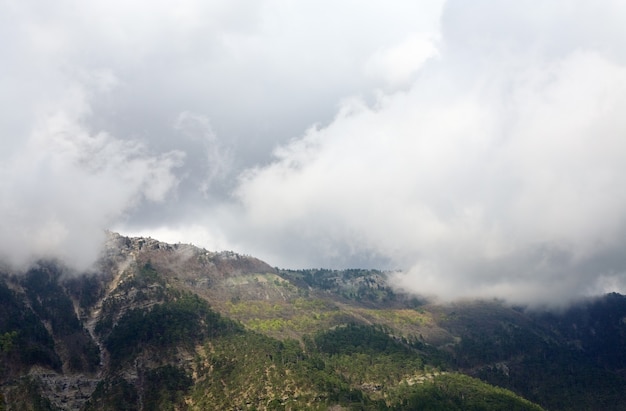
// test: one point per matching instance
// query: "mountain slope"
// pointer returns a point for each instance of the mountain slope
(160, 326)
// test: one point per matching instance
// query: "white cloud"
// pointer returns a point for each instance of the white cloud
(398, 64)
(476, 145)
(64, 185)
(508, 188)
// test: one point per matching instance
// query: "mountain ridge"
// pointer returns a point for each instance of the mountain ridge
(156, 323)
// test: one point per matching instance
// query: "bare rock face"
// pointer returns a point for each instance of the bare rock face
(66, 391)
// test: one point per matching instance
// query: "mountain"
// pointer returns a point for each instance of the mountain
(162, 326)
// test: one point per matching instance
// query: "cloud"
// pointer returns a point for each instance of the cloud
(497, 174)
(398, 64)
(213, 159)
(476, 146)
(64, 184)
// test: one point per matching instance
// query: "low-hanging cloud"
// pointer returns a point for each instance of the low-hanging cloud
(494, 175)
(64, 184)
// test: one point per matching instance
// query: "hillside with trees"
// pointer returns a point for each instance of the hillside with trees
(174, 327)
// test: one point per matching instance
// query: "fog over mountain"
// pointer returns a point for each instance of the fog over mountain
(478, 147)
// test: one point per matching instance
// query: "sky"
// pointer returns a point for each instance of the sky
(475, 148)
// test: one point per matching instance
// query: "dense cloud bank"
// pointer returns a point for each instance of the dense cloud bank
(476, 146)
(508, 188)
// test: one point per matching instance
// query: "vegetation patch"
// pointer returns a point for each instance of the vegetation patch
(184, 320)
(457, 392)
(165, 388)
(252, 371)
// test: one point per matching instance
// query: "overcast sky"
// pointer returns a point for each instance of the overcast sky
(477, 146)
